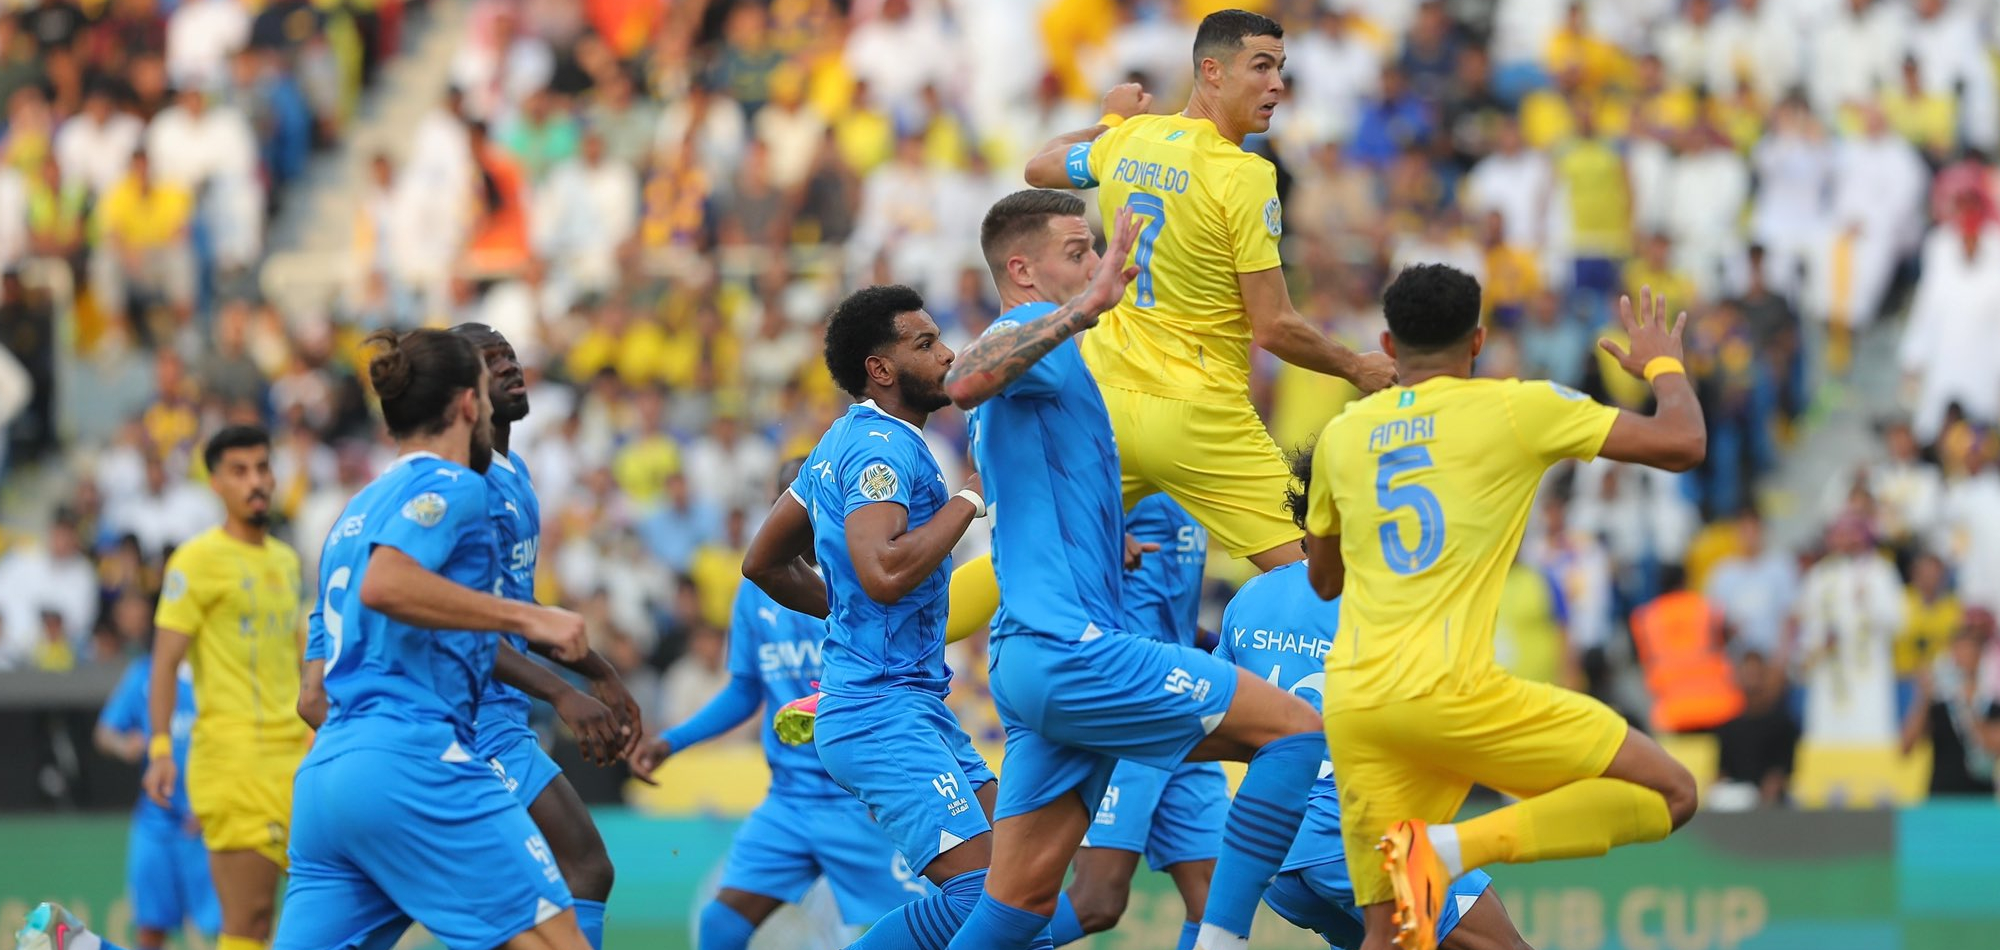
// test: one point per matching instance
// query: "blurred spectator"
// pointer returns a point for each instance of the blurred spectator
(694, 679)
(1908, 491)
(898, 52)
(1850, 608)
(674, 529)
(1854, 53)
(1753, 44)
(1931, 615)
(1514, 183)
(1754, 589)
(1679, 639)
(144, 257)
(1582, 572)
(1390, 122)
(732, 468)
(1773, 327)
(1955, 62)
(1968, 524)
(584, 213)
(790, 131)
(500, 64)
(1755, 750)
(625, 121)
(1795, 168)
(1528, 638)
(201, 34)
(543, 136)
(714, 124)
(1946, 350)
(752, 211)
(1878, 187)
(717, 568)
(1597, 193)
(1554, 345)
(94, 148)
(1958, 715)
(54, 579)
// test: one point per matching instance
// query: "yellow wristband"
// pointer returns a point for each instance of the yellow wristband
(1659, 366)
(160, 746)
(1111, 120)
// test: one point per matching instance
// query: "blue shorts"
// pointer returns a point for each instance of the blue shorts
(381, 838)
(1170, 817)
(515, 753)
(167, 873)
(1073, 709)
(1320, 898)
(790, 841)
(904, 755)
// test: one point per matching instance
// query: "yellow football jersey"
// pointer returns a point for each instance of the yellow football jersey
(240, 605)
(1428, 487)
(1208, 211)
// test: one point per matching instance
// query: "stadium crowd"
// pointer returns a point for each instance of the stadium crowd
(657, 203)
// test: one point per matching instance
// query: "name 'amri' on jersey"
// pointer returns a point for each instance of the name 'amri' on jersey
(781, 648)
(869, 457)
(1049, 464)
(390, 685)
(517, 528)
(1163, 595)
(1277, 628)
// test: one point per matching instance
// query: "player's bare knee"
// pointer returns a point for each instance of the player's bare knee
(589, 876)
(1681, 793)
(1098, 907)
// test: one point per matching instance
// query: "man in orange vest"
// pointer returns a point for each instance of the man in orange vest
(1679, 638)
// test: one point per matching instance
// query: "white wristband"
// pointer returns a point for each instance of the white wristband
(978, 503)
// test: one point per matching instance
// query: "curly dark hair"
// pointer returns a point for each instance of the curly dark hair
(1300, 461)
(861, 327)
(1431, 307)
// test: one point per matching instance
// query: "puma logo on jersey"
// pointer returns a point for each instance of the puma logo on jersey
(884, 436)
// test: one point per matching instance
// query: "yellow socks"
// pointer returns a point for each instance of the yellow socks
(1578, 820)
(227, 942)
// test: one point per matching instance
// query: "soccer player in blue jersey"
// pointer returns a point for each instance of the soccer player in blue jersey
(395, 819)
(166, 864)
(807, 826)
(1075, 694)
(1173, 817)
(872, 508)
(1277, 628)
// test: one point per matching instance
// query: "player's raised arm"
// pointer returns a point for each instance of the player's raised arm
(398, 586)
(776, 560)
(1060, 164)
(1674, 437)
(1275, 326)
(991, 363)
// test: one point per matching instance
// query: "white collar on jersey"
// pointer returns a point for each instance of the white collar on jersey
(504, 462)
(413, 456)
(870, 403)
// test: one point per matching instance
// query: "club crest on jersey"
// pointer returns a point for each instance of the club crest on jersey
(175, 587)
(1274, 219)
(878, 482)
(426, 509)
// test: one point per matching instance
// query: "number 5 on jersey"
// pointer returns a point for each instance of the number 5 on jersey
(1154, 210)
(1430, 515)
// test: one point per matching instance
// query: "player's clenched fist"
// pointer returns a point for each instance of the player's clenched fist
(559, 630)
(1373, 371)
(1128, 99)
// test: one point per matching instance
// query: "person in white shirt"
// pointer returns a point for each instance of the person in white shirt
(55, 576)
(1954, 327)
(583, 213)
(1944, 40)
(1641, 513)
(1850, 608)
(96, 144)
(1755, 590)
(1710, 187)
(1335, 70)
(1582, 571)
(1878, 195)
(1684, 44)
(1515, 182)
(201, 36)
(791, 130)
(166, 513)
(1794, 165)
(899, 52)
(1753, 42)
(731, 468)
(1856, 52)
(1908, 491)
(716, 124)
(500, 65)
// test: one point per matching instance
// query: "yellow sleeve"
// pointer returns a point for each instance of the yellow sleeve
(1255, 217)
(1557, 422)
(1322, 514)
(180, 609)
(1097, 157)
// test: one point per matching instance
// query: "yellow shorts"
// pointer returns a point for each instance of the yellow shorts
(1417, 758)
(244, 805)
(1218, 461)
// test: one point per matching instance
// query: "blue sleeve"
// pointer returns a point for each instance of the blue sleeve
(126, 711)
(737, 702)
(1043, 378)
(1225, 640)
(743, 633)
(881, 467)
(801, 487)
(316, 633)
(1076, 162)
(439, 513)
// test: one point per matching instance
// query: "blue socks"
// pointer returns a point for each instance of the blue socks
(590, 919)
(1064, 928)
(1188, 932)
(1269, 806)
(722, 928)
(930, 923)
(996, 926)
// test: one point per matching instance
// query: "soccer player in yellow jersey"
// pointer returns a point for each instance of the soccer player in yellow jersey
(230, 607)
(1173, 358)
(1418, 499)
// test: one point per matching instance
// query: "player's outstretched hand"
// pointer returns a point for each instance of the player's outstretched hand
(1652, 336)
(612, 693)
(1373, 372)
(159, 780)
(594, 725)
(1136, 549)
(1128, 99)
(559, 630)
(647, 758)
(1107, 282)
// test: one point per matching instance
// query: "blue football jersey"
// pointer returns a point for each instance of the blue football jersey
(390, 685)
(1163, 595)
(1277, 628)
(517, 528)
(128, 712)
(1049, 464)
(781, 648)
(866, 457)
